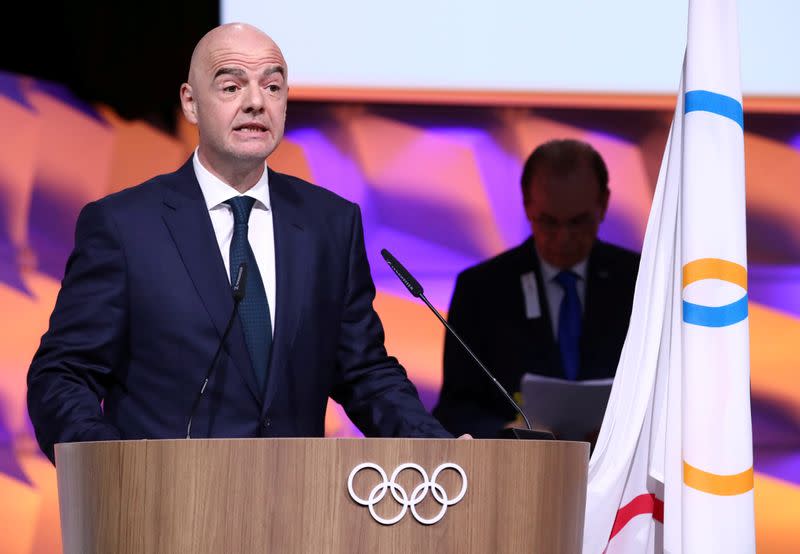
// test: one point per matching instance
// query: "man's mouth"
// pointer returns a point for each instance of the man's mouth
(251, 127)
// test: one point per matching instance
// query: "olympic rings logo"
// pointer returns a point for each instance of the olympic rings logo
(400, 495)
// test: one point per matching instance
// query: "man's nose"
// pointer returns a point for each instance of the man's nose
(563, 233)
(253, 100)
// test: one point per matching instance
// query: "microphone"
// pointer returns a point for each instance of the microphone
(416, 290)
(238, 290)
(240, 284)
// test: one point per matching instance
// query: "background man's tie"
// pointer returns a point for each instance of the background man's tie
(569, 324)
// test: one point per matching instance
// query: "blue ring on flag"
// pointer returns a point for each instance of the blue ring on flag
(715, 316)
(707, 101)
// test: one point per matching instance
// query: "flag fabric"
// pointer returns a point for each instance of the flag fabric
(672, 470)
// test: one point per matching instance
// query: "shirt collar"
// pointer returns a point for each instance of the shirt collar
(216, 192)
(549, 272)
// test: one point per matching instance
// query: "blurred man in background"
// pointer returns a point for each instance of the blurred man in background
(557, 305)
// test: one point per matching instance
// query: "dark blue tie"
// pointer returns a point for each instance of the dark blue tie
(569, 324)
(254, 308)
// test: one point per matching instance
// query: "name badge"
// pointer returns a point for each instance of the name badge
(533, 309)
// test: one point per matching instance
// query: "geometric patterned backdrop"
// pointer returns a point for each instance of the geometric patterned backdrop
(438, 187)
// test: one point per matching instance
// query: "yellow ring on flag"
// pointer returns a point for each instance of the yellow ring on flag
(721, 485)
(714, 268)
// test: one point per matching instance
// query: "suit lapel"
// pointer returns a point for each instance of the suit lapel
(599, 306)
(542, 328)
(186, 217)
(293, 249)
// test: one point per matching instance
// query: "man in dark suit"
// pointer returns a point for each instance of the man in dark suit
(147, 294)
(557, 305)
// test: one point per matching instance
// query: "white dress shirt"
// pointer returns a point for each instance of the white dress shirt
(555, 292)
(260, 233)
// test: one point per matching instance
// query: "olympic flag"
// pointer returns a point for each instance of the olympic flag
(673, 467)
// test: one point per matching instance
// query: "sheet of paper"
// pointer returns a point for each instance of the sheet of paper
(572, 410)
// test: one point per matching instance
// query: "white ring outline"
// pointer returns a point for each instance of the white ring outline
(401, 496)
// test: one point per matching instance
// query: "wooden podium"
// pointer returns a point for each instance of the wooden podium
(292, 496)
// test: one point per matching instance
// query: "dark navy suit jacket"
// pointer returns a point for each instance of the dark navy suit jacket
(488, 310)
(145, 299)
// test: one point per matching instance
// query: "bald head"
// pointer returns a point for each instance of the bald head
(236, 94)
(228, 38)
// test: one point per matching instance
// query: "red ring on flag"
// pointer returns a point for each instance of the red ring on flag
(640, 505)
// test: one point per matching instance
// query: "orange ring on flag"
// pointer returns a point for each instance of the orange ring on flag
(721, 485)
(714, 268)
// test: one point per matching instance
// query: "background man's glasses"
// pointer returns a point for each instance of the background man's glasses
(551, 225)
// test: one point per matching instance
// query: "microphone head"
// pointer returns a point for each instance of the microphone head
(402, 273)
(239, 284)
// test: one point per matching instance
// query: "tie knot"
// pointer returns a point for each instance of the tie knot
(566, 279)
(241, 207)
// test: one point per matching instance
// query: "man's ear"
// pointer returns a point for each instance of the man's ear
(526, 204)
(188, 103)
(604, 197)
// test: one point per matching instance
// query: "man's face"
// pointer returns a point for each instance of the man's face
(237, 94)
(565, 212)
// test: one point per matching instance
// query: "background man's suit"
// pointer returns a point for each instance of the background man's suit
(488, 310)
(145, 300)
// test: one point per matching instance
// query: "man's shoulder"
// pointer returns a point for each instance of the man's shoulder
(141, 195)
(515, 260)
(610, 254)
(310, 195)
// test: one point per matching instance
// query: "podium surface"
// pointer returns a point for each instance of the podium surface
(292, 495)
